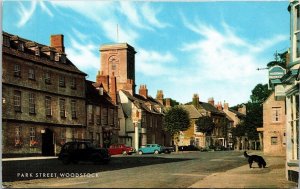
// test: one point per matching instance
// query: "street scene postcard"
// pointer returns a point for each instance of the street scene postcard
(150, 94)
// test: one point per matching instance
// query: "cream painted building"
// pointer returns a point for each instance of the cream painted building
(274, 136)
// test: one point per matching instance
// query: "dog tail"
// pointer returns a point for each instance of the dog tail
(245, 154)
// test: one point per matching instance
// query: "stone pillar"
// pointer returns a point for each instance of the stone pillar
(260, 141)
(136, 135)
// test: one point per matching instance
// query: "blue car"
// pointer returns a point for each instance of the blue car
(150, 149)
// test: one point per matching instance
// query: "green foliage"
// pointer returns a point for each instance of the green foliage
(176, 119)
(260, 93)
(254, 116)
(239, 130)
(280, 60)
(205, 125)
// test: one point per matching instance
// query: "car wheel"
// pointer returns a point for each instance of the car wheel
(140, 152)
(66, 160)
(124, 153)
(167, 152)
(156, 152)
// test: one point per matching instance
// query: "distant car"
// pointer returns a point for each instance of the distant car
(115, 149)
(82, 151)
(151, 149)
(168, 149)
(188, 148)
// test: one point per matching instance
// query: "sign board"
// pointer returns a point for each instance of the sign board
(279, 91)
(276, 72)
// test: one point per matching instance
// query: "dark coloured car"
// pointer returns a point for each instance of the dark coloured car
(168, 149)
(115, 149)
(83, 151)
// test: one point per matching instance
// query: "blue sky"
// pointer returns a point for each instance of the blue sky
(209, 48)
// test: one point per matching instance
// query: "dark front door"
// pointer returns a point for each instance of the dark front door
(47, 143)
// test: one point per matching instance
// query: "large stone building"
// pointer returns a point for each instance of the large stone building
(274, 140)
(43, 96)
(140, 116)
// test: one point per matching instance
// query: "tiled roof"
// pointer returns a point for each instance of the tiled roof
(43, 59)
(193, 112)
(210, 108)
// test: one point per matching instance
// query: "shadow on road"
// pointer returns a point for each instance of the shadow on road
(49, 168)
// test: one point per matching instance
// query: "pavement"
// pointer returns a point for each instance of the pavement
(243, 177)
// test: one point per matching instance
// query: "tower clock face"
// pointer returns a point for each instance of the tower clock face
(113, 65)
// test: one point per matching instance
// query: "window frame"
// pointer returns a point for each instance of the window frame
(17, 101)
(31, 103)
(31, 74)
(17, 70)
(48, 106)
(62, 107)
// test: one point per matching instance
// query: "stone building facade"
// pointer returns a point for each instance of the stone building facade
(43, 96)
(102, 116)
(140, 115)
(219, 136)
(274, 135)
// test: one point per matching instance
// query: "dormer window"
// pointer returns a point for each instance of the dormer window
(21, 46)
(37, 51)
(51, 55)
(63, 58)
(6, 41)
(56, 58)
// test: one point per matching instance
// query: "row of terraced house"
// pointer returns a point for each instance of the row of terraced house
(47, 100)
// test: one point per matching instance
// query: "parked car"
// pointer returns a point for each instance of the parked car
(188, 148)
(168, 149)
(150, 149)
(115, 149)
(82, 151)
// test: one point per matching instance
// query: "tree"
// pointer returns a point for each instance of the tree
(205, 125)
(260, 93)
(176, 119)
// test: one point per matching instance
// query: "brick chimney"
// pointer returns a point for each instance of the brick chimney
(226, 106)
(129, 86)
(57, 41)
(168, 103)
(196, 102)
(160, 96)
(219, 106)
(211, 101)
(104, 79)
(113, 88)
(143, 91)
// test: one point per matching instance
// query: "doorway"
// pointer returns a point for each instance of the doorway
(47, 143)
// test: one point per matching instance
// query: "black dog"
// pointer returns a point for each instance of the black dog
(258, 159)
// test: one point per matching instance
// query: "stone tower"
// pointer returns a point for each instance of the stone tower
(118, 60)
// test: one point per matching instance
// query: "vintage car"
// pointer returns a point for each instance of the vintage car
(150, 149)
(82, 151)
(115, 149)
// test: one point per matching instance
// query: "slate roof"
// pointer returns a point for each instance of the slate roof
(141, 102)
(193, 112)
(237, 113)
(93, 96)
(43, 59)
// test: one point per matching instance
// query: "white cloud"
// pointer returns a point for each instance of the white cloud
(104, 14)
(150, 14)
(25, 13)
(82, 55)
(152, 63)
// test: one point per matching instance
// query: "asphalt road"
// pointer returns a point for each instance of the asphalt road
(137, 171)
